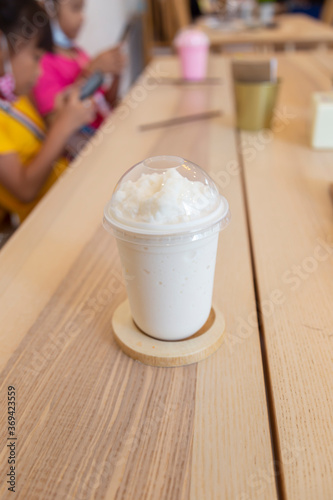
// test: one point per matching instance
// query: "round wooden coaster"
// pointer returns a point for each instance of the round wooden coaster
(156, 352)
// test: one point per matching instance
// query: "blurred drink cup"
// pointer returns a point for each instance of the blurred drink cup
(255, 104)
(193, 48)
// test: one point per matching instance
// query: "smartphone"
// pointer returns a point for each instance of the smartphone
(91, 85)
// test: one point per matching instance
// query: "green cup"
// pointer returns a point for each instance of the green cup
(255, 103)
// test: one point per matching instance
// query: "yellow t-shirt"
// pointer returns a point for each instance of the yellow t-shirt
(16, 138)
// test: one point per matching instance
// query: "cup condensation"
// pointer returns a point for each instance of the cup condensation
(169, 268)
(193, 48)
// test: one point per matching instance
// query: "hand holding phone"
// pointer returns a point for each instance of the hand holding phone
(92, 85)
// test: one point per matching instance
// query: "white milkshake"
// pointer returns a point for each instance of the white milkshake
(166, 214)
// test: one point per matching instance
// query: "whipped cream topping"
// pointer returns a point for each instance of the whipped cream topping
(167, 198)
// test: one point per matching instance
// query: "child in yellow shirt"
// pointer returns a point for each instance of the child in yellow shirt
(29, 154)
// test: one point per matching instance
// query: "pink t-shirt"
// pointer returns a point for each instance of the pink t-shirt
(57, 73)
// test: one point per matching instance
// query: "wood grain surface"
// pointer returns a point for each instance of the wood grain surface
(291, 221)
(91, 422)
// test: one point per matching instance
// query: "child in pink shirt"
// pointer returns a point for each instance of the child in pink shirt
(69, 65)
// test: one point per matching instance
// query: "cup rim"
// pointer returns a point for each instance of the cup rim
(266, 83)
(170, 233)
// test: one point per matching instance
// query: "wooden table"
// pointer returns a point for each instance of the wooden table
(293, 30)
(91, 422)
(291, 232)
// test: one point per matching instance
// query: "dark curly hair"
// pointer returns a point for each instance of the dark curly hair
(24, 20)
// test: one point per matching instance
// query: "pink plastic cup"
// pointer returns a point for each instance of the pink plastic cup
(193, 47)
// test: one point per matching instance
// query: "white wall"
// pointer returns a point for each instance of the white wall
(105, 21)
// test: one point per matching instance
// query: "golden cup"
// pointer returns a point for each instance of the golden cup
(255, 103)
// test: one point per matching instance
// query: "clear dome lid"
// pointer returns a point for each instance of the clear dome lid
(191, 38)
(165, 196)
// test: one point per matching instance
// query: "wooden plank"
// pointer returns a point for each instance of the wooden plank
(292, 232)
(91, 422)
(291, 29)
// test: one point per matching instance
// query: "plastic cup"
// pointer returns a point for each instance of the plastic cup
(169, 268)
(267, 12)
(193, 47)
(255, 104)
